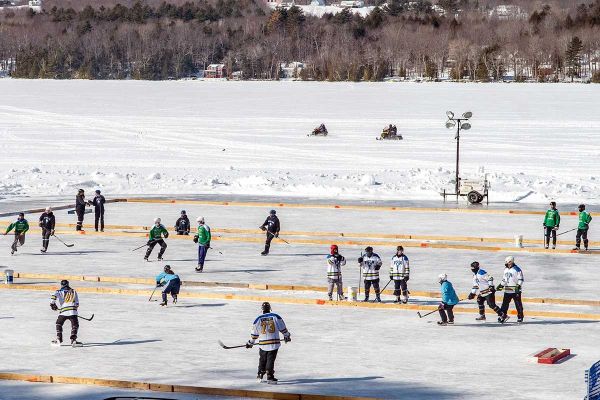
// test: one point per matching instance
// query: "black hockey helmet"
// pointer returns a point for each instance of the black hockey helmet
(272, 212)
(266, 307)
(97, 191)
(581, 207)
(182, 212)
(369, 249)
(167, 268)
(64, 283)
(553, 204)
(475, 266)
(22, 214)
(399, 248)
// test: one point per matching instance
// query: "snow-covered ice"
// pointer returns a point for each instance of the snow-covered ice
(536, 142)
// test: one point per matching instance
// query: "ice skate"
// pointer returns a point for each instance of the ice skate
(442, 323)
(75, 343)
(260, 377)
(480, 318)
(56, 343)
(271, 380)
(163, 303)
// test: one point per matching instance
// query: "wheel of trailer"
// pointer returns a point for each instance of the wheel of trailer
(474, 197)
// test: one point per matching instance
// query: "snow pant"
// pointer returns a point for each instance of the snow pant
(368, 284)
(446, 308)
(74, 326)
(80, 211)
(19, 241)
(99, 217)
(46, 233)
(550, 231)
(581, 233)
(491, 302)
(400, 287)
(270, 236)
(266, 362)
(516, 297)
(163, 247)
(202, 252)
(172, 288)
(333, 282)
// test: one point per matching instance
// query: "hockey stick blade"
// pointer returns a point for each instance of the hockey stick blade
(87, 319)
(230, 347)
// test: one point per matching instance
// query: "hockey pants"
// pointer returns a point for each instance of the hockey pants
(19, 241)
(550, 231)
(375, 284)
(270, 237)
(400, 287)
(581, 233)
(266, 362)
(80, 213)
(491, 302)
(46, 237)
(516, 297)
(163, 247)
(99, 217)
(202, 252)
(447, 308)
(173, 288)
(74, 326)
(333, 282)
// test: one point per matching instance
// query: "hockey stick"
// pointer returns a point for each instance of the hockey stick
(386, 285)
(570, 230)
(155, 287)
(359, 273)
(278, 237)
(66, 244)
(437, 309)
(87, 319)
(212, 248)
(230, 347)
(137, 248)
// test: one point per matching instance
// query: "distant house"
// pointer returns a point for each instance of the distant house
(352, 3)
(35, 3)
(291, 70)
(215, 71)
(317, 3)
(508, 11)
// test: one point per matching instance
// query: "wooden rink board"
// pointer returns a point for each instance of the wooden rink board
(274, 287)
(161, 387)
(296, 301)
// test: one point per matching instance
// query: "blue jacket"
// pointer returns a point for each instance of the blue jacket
(163, 277)
(448, 294)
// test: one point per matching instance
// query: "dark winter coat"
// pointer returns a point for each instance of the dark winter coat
(80, 202)
(47, 221)
(272, 224)
(178, 224)
(98, 203)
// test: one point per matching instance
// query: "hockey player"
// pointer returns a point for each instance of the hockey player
(370, 264)
(399, 273)
(47, 223)
(182, 225)
(484, 283)
(98, 203)
(266, 328)
(272, 227)
(449, 300)
(155, 237)
(66, 302)
(582, 229)
(21, 226)
(203, 239)
(172, 282)
(551, 224)
(80, 204)
(512, 283)
(335, 262)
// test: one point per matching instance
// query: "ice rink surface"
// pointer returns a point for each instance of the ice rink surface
(382, 353)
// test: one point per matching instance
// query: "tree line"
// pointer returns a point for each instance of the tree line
(401, 38)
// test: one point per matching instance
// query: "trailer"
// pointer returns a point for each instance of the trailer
(475, 190)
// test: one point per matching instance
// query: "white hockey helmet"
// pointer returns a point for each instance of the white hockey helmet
(157, 220)
(509, 259)
(200, 220)
(48, 209)
(442, 278)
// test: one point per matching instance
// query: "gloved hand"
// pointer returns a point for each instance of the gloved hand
(159, 284)
(262, 228)
(277, 235)
(149, 242)
(195, 238)
(471, 296)
(52, 232)
(406, 278)
(54, 307)
(518, 289)
(499, 287)
(441, 306)
(360, 259)
(249, 345)
(287, 339)
(391, 278)
(166, 235)
(555, 228)
(492, 289)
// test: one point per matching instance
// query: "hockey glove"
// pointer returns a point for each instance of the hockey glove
(262, 228)
(518, 289)
(52, 232)
(555, 228)
(54, 307)
(471, 296)
(406, 278)
(249, 345)
(499, 287)
(287, 339)
(166, 235)
(360, 260)
(149, 242)
(441, 306)
(391, 278)
(195, 238)
(492, 289)
(277, 235)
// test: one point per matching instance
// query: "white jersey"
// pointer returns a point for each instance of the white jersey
(334, 266)
(370, 267)
(512, 277)
(400, 267)
(483, 282)
(66, 300)
(266, 329)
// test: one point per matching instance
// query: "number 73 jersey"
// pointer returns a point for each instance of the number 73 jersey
(266, 330)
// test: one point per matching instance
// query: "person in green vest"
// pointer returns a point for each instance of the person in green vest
(155, 237)
(21, 226)
(203, 239)
(582, 229)
(551, 224)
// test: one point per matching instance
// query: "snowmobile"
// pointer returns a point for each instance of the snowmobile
(390, 134)
(319, 131)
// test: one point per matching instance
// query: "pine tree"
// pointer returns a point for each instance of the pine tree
(573, 57)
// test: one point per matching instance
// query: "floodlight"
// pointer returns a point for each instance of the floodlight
(450, 124)
(467, 115)
(450, 114)
(466, 126)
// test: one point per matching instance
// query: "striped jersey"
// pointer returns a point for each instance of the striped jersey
(334, 266)
(400, 267)
(370, 267)
(512, 277)
(265, 329)
(66, 300)
(483, 282)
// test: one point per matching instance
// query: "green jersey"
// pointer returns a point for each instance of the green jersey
(20, 226)
(203, 235)
(552, 218)
(157, 231)
(584, 220)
